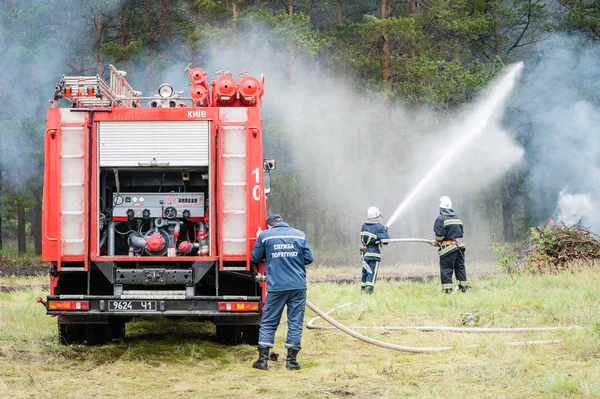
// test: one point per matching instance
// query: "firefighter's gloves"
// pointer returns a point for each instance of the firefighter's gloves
(363, 249)
(434, 243)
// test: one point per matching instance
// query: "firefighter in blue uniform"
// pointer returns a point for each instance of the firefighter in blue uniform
(287, 253)
(448, 229)
(371, 233)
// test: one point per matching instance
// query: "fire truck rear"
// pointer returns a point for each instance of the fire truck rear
(151, 205)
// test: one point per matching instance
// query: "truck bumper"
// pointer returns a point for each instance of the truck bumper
(206, 307)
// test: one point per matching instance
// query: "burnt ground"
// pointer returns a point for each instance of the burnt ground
(417, 277)
(15, 267)
(39, 270)
(18, 268)
(23, 271)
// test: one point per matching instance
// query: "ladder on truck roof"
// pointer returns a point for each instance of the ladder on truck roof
(93, 91)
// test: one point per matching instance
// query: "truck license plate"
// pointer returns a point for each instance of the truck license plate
(131, 305)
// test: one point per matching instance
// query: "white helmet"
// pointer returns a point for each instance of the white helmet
(373, 212)
(445, 202)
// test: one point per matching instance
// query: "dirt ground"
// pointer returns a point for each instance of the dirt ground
(11, 267)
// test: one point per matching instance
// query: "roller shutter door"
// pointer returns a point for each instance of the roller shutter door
(143, 144)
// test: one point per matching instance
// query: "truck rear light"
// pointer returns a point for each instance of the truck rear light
(238, 306)
(69, 305)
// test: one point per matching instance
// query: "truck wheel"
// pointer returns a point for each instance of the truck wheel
(117, 329)
(250, 334)
(71, 333)
(229, 335)
(97, 334)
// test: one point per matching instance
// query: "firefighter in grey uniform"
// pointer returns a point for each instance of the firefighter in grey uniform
(287, 253)
(371, 234)
(448, 229)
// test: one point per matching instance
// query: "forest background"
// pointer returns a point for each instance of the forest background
(404, 68)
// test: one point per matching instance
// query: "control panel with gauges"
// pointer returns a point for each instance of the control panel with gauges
(127, 206)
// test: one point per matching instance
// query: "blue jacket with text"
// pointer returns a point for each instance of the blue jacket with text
(287, 253)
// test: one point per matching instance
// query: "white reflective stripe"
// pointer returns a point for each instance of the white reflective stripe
(448, 248)
(452, 221)
(373, 254)
(268, 238)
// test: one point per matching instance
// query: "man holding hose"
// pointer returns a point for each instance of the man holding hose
(371, 234)
(448, 229)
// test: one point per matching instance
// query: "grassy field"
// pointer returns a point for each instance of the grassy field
(181, 360)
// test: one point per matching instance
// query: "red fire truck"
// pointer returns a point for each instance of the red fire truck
(152, 204)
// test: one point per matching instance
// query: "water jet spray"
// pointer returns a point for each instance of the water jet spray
(489, 107)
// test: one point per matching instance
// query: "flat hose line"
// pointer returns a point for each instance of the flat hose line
(325, 316)
(350, 330)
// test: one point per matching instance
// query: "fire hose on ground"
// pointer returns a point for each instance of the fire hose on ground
(351, 330)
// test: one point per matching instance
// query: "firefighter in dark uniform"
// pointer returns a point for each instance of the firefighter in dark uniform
(371, 234)
(287, 253)
(448, 230)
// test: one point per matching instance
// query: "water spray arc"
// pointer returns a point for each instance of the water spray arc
(483, 113)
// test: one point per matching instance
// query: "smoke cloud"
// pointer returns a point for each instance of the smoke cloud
(357, 150)
(573, 208)
(560, 99)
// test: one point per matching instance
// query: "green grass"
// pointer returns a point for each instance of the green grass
(179, 359)
(11, 249)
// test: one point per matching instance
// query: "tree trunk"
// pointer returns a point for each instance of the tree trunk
(290, 7)
(386, 77)
(507, 222)
(411, 6)
(21, 238)
(166, 23)
(99, 43)
(385, 10)
(1, 192)
(151, 34)
(490, 215)
(234, 9)
(35, 218)
(338, 12)
(316, 241)
(509, 193)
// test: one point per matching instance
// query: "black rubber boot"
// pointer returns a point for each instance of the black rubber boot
(290, 361)
(263, 357)
(369, 289)
(464, 288)
(448, 291)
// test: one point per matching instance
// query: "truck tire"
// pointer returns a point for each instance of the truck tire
(250, 335)
(229, 335)
(97, 334)
(71, 333)
(117, 329)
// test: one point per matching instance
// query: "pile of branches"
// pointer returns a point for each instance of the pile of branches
(556, 246)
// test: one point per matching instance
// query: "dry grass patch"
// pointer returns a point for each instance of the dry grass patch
(181, 360)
